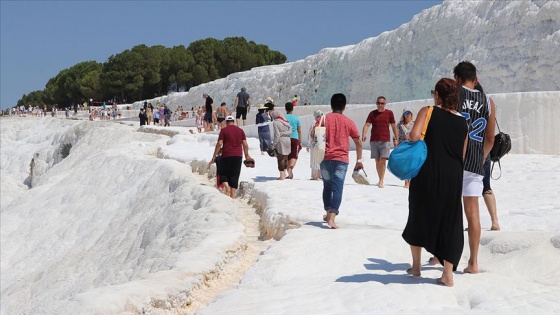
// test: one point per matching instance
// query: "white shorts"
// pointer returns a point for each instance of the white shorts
(472, 184)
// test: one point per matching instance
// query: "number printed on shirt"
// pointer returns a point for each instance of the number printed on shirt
(478, 127)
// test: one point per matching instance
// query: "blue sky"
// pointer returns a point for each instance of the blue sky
(41, 38)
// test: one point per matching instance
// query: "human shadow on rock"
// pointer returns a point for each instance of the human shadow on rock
(382, 264)
(321, 225)
(260, 179)
(385, 279)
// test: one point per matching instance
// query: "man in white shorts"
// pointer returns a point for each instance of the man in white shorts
(480, 113)
(380, 119)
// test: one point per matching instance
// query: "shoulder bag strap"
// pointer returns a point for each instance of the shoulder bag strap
(492, 170)
(428, 116)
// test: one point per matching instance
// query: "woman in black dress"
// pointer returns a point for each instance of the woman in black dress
(435, 216)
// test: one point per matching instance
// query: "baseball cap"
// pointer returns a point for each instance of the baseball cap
(230, 118)
(406, 109)
(204, 94)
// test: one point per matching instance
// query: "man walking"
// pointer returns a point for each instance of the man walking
(242, 105)
(333, 168)
(233, 143)
(478, 110)
(295, 138)
(380, 119)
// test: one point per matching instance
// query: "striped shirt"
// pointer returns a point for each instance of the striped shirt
(475, 107)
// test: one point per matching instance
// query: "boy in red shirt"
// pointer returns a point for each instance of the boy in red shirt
(333, 168)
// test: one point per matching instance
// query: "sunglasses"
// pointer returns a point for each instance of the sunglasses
(432, 92)
(407, 114)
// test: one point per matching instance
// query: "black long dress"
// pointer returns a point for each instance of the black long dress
(435, 213)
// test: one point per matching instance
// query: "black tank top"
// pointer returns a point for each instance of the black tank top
(475, 107)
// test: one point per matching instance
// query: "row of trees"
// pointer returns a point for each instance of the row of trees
(145, 72)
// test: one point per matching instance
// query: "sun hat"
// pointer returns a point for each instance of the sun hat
(230, 118)
(261, 106)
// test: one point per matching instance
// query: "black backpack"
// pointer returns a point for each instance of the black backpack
(502, 145)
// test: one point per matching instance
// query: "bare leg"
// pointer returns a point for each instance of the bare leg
(473, 219)
(447, 276)
(227, 189)
(282, 175)
(232, 193)
(291, 165)
(380, 167)
(490, 201)
(416, 256)
(406, 183)
(330, 220)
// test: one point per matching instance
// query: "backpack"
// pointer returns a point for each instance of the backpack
(502, 145)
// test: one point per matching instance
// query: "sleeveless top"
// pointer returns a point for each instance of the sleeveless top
(475, 107)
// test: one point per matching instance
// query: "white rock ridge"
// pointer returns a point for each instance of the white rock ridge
(514, 45)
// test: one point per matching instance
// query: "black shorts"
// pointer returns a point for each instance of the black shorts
(220, 119)
(208, 117)
(229, 170)
(241, 112)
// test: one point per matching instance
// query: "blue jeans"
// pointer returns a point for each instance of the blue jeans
(333, 173)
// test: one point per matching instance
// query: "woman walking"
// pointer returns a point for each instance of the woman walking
(311, 143)
(282, 142)
(435, 217)
(405, 127)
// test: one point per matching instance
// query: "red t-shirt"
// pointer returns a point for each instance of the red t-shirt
(380, 122)
(339, 129)
(233, 137)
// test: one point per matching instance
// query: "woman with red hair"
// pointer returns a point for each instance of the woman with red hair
(435, 217)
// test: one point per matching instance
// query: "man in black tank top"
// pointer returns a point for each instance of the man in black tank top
(480, 115)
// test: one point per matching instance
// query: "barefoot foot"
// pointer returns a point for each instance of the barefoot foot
(495, 227)
(330, 220)
(332, 225)
(433, 261)
(413, 272)
(445, 281)
(471, 269)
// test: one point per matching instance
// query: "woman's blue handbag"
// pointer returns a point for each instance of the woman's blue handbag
(407, 158)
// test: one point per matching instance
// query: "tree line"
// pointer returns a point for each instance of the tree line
(146, 72)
